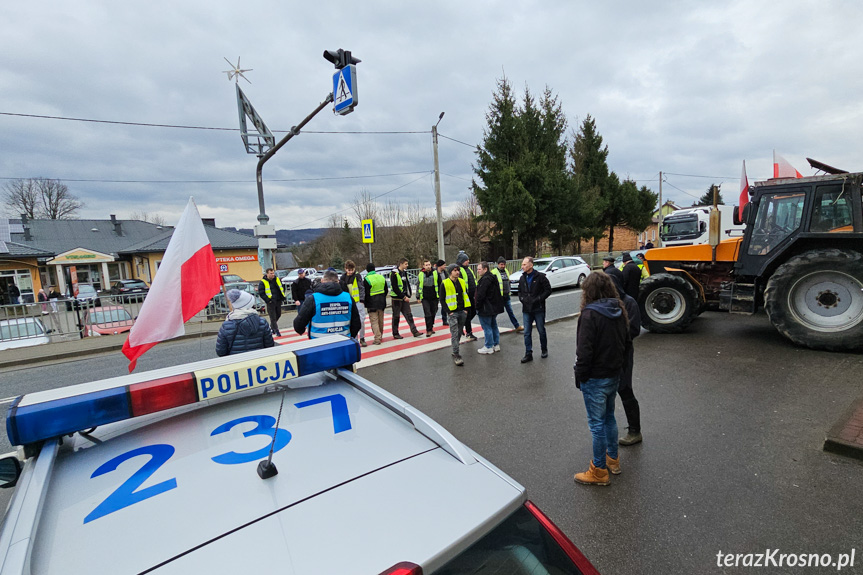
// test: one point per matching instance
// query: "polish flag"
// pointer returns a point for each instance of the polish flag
(782, 169)
(187, 279)
(744, 190)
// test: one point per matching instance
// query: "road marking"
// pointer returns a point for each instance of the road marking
(8, 400)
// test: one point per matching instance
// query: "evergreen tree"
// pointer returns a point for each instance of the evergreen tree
(591, 180)
(707, 198)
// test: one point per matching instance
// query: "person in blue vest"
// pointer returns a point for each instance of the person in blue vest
(328, 311)
(272, 292)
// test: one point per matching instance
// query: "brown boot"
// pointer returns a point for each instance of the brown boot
(593, 476)
(613, 465)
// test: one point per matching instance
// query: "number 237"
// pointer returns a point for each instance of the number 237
(130, 493)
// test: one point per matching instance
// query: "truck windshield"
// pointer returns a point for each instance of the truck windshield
(778, 216)
(679, 228)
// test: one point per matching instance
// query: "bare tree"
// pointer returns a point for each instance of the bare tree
(148, 217)
(41, 198)
(21, 197)
(468, 233)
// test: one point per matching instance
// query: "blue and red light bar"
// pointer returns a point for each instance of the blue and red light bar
(44, 415)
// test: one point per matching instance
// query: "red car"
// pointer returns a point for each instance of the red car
(108, 320)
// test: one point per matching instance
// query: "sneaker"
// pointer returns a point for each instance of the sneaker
(429, 333)
(417, 334)
(397, 336)
(456, 358)
(527, 357)
(362, 342)
(471, 337)
(630, 438)
(519, 328)
(496, 348)
(376, 342)
(485, 350)
(544, 354)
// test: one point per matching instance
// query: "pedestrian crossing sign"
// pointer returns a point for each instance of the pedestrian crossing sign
(345, 90)
(368, 231)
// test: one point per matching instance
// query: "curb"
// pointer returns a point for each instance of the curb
(846, 436)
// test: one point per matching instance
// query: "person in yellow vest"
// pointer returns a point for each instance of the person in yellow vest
(400, 291)
(468, 276)
(427, 293)
(353, 284)
(505, 290)
(272, 292)
(454, 296)
(376, 300)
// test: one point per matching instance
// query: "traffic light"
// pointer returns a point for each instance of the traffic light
(340, 58)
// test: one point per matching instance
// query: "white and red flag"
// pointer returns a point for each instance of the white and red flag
(744, 191)
(187, 279)
(782, 169)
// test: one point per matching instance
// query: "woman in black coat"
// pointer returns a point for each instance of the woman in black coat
(244, 329)
(489, 303)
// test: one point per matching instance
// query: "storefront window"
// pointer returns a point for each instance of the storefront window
(22, 280)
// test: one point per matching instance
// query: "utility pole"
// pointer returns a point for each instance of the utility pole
(659, 225)
(440, 247)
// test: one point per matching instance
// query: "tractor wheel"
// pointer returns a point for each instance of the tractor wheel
(668, 303)
(815, 299)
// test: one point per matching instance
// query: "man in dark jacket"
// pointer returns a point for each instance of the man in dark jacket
(352, 283)
(441, 266)
(631, 276)
(489, 303)
(328, 311)
(243, 330)
(624, 388)
(14, 294)
(608, 267)
(428, 282)
(601, 345)
(400, 291)
(376, 300)
(300, 287)
(533, 290)
(470, 279)
(272, 292)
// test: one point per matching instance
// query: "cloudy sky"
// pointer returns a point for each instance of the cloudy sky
(679, 87)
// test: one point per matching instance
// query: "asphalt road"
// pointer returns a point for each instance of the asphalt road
(733, 415)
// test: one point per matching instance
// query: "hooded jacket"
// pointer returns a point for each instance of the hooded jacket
(489, 301)
(602, 341)
(309, 308)
(244, 330)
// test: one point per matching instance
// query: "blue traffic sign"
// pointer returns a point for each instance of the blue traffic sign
(345, 90)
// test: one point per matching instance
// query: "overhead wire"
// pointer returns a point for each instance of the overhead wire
(106, 181)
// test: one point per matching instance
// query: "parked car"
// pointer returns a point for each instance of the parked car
(129, 289)
(232, 278)
(618, 261)
(292, 276)
(108, 320)
(22, 332)
(218, 306)
(561, 271)
(87, 296)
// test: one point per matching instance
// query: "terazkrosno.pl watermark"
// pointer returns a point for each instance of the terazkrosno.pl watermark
(776, 558)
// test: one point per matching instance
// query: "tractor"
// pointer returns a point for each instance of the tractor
(800, 258)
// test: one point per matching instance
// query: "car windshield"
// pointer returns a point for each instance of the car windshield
(292, 275)
(86, 289)
(110, 315)
(20, 329)
(542, 265)
(679, 227)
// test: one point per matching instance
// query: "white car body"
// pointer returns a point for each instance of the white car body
(22, 332)
(365, 481)
(561, 271)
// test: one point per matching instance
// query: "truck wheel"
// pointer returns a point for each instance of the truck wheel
(815, 299)
(668, 303)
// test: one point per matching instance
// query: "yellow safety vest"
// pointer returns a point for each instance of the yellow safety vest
(401, 284)
(421, 280)
(354, 289)
(499, 277)
(269, 292)
(377, 283)
(451, 299)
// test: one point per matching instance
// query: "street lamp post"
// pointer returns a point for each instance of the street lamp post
(440, 247)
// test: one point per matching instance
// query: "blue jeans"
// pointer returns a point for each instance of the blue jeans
(599, 395)
(489, 330)
(508, 306)
(539, 318)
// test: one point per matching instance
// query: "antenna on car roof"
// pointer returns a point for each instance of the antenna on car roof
(267, 469)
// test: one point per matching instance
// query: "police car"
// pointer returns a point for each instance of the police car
(281, 460)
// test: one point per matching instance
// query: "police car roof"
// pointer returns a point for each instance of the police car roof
(365, 481)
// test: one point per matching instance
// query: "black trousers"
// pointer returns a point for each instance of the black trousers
(274, 310)
(430, 311)
(471, 313)
(624, 390)
(401, 307)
